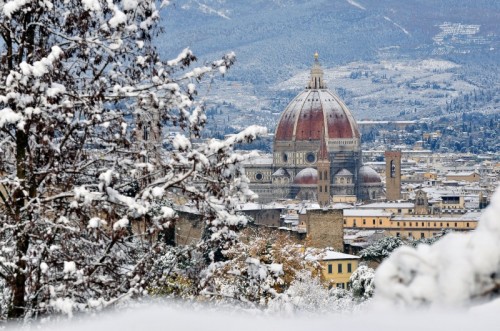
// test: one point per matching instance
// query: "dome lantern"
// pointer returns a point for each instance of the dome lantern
(317, 77)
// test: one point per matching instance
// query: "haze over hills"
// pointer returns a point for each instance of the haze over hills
(365, 41)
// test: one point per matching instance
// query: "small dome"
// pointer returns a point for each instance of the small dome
(368, 176)
(344, 172)
(308, 176)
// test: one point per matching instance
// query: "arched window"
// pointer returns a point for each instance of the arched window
(393, 169)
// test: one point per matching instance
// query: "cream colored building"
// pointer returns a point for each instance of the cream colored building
(408, 226)
(470, 176)
(337, 268)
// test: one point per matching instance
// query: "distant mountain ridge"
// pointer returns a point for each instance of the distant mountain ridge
(274, 40)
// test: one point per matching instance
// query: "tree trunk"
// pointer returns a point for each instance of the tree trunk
(18, 285)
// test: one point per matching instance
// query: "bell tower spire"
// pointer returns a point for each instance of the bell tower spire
(317, 81)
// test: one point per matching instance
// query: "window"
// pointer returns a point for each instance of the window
(310, 157)
(321, 188)
(423, 224)
(345, 222)
(447, 225)
(339, 268)
(330, 269)
(380, 222)
(364, 222)
(456, 225)
(422, 235)
(349, 267)
(398, 235)
(373, 222)
(399, 211)
(467, 224)
(398, 223)
(340, 285)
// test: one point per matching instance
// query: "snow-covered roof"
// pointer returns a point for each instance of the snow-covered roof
(382, 205)
(461, 174)
(367, 213)
(260, 160)
(331, 255)
(341, 205)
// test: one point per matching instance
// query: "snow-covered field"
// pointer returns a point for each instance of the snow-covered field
(173, 317)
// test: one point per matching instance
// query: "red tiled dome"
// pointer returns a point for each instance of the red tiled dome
(307, 176)
(314, 109)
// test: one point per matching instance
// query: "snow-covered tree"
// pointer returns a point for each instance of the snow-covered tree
(362, 282)
(85, 102)
(381, 249)
(258, 270)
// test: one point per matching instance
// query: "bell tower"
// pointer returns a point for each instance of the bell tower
(323, 167)
(393, 175)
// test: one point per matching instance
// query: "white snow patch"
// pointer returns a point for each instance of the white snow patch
(130, 4)
(181, 142)
(356, 4)
(96, 222)
(55, 89)
(8, 116)
(397, 25)
(118, 18)
(13, 6)
(69, 267)
(92, 5)
(123, 223)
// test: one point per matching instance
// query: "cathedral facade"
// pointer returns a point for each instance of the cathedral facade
(316, 151)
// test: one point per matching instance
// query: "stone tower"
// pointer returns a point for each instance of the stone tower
(325, 228)
(393, 175)
(421, 203)
(323, 166)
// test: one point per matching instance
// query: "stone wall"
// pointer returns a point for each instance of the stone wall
(325, 228)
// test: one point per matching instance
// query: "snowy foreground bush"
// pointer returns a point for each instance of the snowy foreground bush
(458, 270)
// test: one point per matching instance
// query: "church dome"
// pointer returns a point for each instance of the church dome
(368, 176)
(314, 112)
(307, 176)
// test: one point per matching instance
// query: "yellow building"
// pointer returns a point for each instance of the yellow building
(337, 268)
(408, 226)
(470, 176)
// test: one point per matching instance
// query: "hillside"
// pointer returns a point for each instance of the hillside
(274, 42)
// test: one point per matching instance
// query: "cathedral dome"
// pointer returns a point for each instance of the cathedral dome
(307, 176)
(314, 112)
(368, 176)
